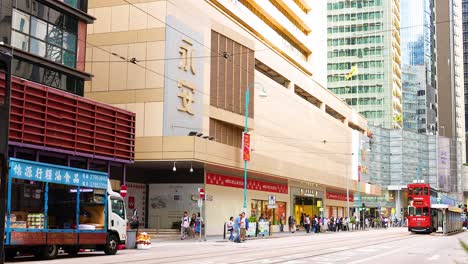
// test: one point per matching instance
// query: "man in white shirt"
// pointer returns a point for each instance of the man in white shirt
(184, 226)
(243, 227)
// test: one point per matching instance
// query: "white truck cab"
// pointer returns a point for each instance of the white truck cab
(117, 220)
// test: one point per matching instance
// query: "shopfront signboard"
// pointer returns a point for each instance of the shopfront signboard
(271, 201)
(252, 229)
(339, 196)
(184, 82)
(229, 181)
(263, 228)
(37, 171)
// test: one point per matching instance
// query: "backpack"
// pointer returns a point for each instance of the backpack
(184, 220)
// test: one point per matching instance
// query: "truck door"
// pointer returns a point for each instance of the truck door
(118, 219)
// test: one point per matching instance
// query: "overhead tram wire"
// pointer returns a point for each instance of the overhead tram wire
(135, 62)
(302, 142)
(167, 24)
(318, 83)
(231, 54)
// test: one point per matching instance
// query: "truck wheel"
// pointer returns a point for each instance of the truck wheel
(48, 252)
(72, 251)
(111, 246)
(10, 254)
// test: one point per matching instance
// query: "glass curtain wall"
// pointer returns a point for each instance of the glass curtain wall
(418, 65)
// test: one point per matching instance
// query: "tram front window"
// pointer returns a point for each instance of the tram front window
(418, 212)
(411, 211)
(426, 211)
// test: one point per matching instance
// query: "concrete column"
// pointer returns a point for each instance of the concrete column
(398, 204)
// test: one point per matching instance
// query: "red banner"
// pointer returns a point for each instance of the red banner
(131, 202)
(339, 196)
(246, 146)
(229, 181)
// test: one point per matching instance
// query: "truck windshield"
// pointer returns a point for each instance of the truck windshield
(118, 207)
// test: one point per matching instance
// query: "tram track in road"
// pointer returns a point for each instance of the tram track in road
(338, 249)
(300, 246)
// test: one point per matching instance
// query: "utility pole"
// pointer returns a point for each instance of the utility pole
(5, 66)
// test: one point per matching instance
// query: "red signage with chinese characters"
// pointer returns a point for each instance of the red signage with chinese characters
(131, 202)
(339, 196)
(246, 146)
(229, 181)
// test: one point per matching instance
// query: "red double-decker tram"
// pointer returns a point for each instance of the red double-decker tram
(430, 211)
(419, 209)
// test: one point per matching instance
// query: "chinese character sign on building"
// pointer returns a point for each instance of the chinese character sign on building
(443, 164)
(339, 197)
(183, 93)
(229, 181)
(36, 171)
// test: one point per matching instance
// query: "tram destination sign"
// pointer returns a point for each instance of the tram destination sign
(37, 171)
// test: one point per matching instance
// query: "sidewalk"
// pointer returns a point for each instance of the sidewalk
(219, 238)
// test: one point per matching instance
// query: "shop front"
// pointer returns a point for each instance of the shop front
(337, 204)
(306, 200)
(265, 200)
(168, 202)
(392, 203)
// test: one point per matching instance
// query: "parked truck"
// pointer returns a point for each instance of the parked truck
(52, 208)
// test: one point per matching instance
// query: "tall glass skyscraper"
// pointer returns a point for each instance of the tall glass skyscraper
(465, 60)
(365, 34)
(418, 66)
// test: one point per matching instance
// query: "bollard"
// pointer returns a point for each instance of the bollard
(224, 230)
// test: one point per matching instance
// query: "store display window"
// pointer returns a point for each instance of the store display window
(260, 210)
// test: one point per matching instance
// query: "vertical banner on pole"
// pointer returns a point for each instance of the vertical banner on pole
(246, 146)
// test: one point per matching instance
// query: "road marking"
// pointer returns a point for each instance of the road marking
(435, 257)
(374, 257)
(341, 248)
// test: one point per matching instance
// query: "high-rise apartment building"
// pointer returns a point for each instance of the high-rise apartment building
(365, 35)
(449, 43)
(419, 66)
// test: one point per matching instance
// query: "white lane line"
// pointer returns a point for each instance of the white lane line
(435, 257)
(375, 256)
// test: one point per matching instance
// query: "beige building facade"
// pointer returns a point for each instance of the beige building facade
(184, 67)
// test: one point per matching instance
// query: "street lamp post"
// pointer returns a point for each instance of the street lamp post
(347, 183)
(246, 130)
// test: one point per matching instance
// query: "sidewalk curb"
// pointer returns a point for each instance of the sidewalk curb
(219, 239)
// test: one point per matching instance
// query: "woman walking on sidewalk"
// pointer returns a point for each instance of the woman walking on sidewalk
(198, 224)
(307, 223)
(292, 224)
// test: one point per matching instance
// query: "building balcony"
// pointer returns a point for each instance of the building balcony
(296, 13)
(49, 119)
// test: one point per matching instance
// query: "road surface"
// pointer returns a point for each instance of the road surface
(382, 246)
